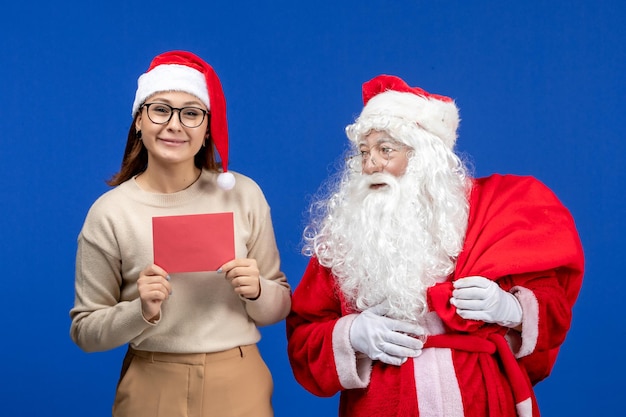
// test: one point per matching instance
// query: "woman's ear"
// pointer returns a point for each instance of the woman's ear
(138, 122)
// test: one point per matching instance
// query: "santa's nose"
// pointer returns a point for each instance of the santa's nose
(371, 166)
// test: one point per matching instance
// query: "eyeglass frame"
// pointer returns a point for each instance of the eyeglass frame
(362, 159)
(180, 109)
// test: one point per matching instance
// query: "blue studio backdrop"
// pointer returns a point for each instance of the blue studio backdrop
(539, 85)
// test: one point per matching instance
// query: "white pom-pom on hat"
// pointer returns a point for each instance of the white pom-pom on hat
(226, 180)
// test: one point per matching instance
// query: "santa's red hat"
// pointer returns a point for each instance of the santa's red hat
(388, 98)
(186, 72)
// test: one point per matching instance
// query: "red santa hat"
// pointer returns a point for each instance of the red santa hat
(388, 97)
(186, 72)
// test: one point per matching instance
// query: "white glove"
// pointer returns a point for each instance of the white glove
(479, 298)
(385, 339)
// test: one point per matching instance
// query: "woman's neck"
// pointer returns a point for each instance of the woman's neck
(167, 180)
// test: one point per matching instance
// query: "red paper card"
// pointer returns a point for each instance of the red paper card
(193, 243)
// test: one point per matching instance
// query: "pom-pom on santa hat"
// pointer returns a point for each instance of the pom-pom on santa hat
(388, 97)
(186, 72)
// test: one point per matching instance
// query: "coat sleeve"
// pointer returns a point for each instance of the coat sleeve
(547, 316)
(320, 353)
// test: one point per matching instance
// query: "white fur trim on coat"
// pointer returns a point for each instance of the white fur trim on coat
(353, 371)
(530, 320)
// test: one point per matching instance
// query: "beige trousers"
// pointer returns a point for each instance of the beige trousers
(232, 383)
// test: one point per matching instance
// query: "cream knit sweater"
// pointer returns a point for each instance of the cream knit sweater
(203, 314)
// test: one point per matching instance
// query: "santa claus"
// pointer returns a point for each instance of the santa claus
(428, 292)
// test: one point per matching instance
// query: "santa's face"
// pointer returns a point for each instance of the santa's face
(382, 154)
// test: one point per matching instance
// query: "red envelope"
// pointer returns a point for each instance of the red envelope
(193, 243)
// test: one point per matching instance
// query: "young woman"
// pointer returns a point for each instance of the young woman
(191, 336)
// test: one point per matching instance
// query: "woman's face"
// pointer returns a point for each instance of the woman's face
(171, 142)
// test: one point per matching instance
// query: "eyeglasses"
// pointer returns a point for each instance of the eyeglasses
(161, 113)
(383, 151)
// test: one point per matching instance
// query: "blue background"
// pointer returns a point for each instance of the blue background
(540, 88)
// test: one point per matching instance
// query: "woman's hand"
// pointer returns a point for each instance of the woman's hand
(243, 275)
(154, 288)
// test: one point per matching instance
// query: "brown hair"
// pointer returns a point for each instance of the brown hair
(135, 160)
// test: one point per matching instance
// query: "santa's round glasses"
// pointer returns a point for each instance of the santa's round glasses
(381, 153)
(161, 113)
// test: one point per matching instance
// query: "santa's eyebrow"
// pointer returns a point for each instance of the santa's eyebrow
(382, 141)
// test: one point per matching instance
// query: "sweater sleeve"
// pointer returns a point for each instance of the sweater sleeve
(274, 301)
(100, 321)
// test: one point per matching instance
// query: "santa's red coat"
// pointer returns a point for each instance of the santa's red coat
(520, 235)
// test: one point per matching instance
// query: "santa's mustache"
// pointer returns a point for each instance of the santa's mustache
(364, 183)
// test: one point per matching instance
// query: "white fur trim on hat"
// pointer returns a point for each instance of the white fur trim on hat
(171, 77)
(441, 118)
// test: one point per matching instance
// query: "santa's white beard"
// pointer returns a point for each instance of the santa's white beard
(388, 245)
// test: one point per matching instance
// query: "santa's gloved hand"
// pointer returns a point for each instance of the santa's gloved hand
(385, 339)
(478, 298)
